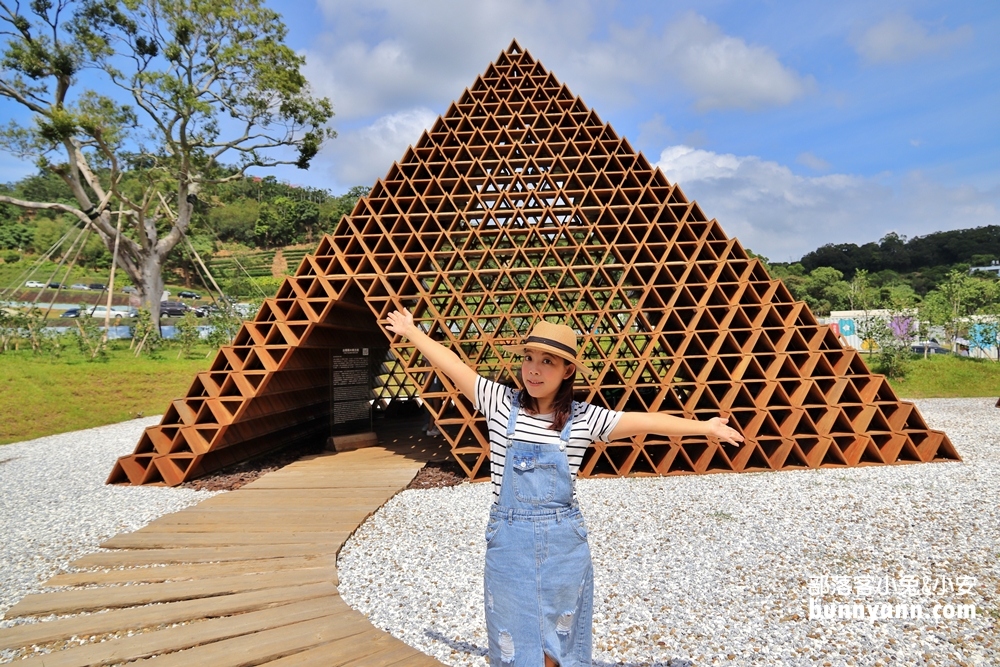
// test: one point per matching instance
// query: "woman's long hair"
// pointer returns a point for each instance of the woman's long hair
(562, 404)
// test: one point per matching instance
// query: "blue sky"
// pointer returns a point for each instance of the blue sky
(795, 124)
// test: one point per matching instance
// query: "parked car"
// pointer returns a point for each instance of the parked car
(55, 285)
(97, 286)
(79, 286)
(128, 289)
(188, 295)
(72, 312)
(34, 283)
(208, 309)
(929, 348)
(116, 311)
(173, 309)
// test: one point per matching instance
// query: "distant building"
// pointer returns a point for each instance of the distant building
(993, 268)
(845, 324)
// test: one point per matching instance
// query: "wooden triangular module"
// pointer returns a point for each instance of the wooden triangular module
(521, 204)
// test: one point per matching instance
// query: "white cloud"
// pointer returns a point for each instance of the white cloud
(358, 157)
(814, 162)
(725, 72)
(385, 55)
(901, 38)
(784, 215)
(382, 55)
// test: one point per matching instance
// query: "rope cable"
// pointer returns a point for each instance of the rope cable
(86, 235)
(62, 261)
(37, 264)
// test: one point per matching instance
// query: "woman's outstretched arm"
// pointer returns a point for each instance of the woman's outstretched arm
(637, 423)
(440, 357)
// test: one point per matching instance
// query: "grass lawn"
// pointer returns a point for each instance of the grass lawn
(946, 376)
(45, 395)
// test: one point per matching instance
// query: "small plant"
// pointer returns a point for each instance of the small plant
(187, 334)
(8, 329)
(895, 339)
(90, 339)
(145, 334)
(31, 327)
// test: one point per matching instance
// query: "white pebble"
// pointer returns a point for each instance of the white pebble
(700, 568)
(56, 508)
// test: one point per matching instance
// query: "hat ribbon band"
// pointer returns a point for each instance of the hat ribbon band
(552, 343)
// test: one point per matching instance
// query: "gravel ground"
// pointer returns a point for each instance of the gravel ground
(721, 569)
(55, 506)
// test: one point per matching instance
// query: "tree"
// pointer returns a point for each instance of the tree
(280, 221)
(860, 294)
(954, 300)
(13, 235)
(192, 84)
(335, 208)
(824, 289)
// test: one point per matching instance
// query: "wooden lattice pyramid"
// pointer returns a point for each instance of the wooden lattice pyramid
(522, 204)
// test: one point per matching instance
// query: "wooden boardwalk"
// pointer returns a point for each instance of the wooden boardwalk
(247, 577)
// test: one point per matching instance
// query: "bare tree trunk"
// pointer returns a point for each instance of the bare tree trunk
(151, 288)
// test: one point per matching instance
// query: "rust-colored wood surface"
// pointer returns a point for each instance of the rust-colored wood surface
(226, 602)
(520, 203)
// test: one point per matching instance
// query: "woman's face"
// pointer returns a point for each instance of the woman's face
(542, 373)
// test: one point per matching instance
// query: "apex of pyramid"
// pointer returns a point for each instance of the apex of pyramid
(514, 49)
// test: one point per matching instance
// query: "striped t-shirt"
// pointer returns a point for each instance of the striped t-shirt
(592, 424)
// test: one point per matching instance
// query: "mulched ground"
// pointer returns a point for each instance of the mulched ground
(434, 474)
(438, 473)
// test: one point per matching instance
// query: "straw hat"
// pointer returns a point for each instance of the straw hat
(556, 339)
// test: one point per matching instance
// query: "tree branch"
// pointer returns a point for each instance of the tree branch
(46, 206)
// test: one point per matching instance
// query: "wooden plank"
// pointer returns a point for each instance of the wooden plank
(262, 507)
(360, 650)
(224, 529)
(77, 600)
(400, 654)
(268, 644)
(242, 533)
(276, 519)
(176, 638)
(340, 479)
(373, 452)
(251, 495)
(134, 557)
(184, 571)
(117, 620)
(321, 483)
(316, 482)
(343, 476)
(283, 499)
(304, 505)
(158, 540)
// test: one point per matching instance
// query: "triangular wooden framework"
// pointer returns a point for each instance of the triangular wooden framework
(521, 203)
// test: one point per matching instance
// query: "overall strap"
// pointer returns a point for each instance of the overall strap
(574, 411)
(515, 406)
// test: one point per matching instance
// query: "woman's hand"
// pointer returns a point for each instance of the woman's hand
(717, 429)
(440, 358)
(401, 323)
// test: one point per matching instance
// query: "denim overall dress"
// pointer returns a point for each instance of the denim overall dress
(539, 580)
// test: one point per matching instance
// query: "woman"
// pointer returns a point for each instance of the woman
(539, 581)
